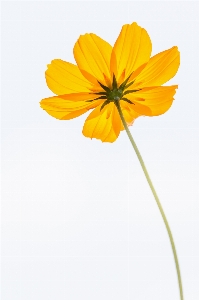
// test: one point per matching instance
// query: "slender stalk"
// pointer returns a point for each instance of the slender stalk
(155, 196)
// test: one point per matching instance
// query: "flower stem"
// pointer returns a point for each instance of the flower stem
(155, 196)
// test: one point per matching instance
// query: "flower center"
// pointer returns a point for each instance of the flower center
(114, 95)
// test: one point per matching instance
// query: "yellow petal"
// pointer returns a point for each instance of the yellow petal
(63, 115)
(63, 77)
(61, 107)
(79, 96)
(160, 68)
(153, 101)
(129, 114)
(131, 50)
(104, 125)
(92, 55)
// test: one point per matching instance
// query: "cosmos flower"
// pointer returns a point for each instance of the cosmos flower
(104, 75)
(119, 84)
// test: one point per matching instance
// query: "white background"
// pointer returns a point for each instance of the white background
(78, 218)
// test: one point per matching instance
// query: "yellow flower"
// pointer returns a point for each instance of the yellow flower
(106, 74)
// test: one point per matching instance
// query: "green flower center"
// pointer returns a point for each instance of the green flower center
(116, 93)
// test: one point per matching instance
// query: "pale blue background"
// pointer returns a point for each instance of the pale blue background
(78, 218)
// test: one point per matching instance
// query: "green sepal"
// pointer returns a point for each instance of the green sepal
(100, 93)
(114, 84)
(129, 84)
(98, 98)
(104, 104)
(104, 87)
(127, 100)
(122, 86)
(130, 91)
(101, 97)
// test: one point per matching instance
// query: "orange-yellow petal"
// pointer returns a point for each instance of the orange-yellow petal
(63, 77)
(104, 125)
(64, 108)
(131, 50)
(153, 101)
(92, 55)
(160, 68)
(79, 96)
(129, 114)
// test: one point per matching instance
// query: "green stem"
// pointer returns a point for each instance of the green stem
(155, 196)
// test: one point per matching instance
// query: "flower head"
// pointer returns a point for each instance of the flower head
(104, 75)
